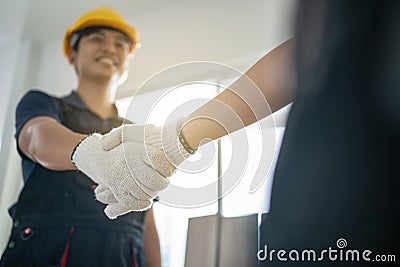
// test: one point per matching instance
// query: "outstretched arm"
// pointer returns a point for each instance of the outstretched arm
(46, 141)
(262, 90)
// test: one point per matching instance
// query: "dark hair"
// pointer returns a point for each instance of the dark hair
(76, 36)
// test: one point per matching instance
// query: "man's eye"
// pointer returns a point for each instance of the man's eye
(97, 38)
(121, 44)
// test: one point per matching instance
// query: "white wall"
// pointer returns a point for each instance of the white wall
(18, 65)
(55, 75)
(8, 55)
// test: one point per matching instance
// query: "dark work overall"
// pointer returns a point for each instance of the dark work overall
(58, 222)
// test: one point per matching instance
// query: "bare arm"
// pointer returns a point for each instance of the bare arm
(151, 241)
(46, 141)
(262, 90)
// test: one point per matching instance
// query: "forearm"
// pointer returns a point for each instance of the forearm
(262, 90)
(49, 143)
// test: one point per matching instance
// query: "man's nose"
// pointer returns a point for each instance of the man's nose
(109, 45)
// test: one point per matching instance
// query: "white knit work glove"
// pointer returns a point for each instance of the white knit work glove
(166, 139)
(113, 208)
(125, 171)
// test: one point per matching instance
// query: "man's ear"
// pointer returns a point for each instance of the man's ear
(72, 56)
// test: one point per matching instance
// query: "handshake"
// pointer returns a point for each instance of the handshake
(131, 164)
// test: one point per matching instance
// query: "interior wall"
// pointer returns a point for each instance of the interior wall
(19, 64)
(8, 55)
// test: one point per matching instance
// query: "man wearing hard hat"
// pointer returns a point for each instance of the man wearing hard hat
(57, 221)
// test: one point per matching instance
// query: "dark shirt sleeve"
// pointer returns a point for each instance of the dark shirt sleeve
(34, 104)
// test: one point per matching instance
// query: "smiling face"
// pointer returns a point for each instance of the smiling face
(101, 54)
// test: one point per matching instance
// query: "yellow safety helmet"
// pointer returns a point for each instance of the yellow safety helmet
(102, 16)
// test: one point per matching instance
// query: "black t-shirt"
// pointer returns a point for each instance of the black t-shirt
(66, 191)
(36, 103)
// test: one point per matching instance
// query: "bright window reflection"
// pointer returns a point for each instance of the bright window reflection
(239, 201)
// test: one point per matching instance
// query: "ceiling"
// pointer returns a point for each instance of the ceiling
(43, 20)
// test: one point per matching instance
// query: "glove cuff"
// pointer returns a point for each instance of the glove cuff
(174, 144)
(80, 148)
(75, 149)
